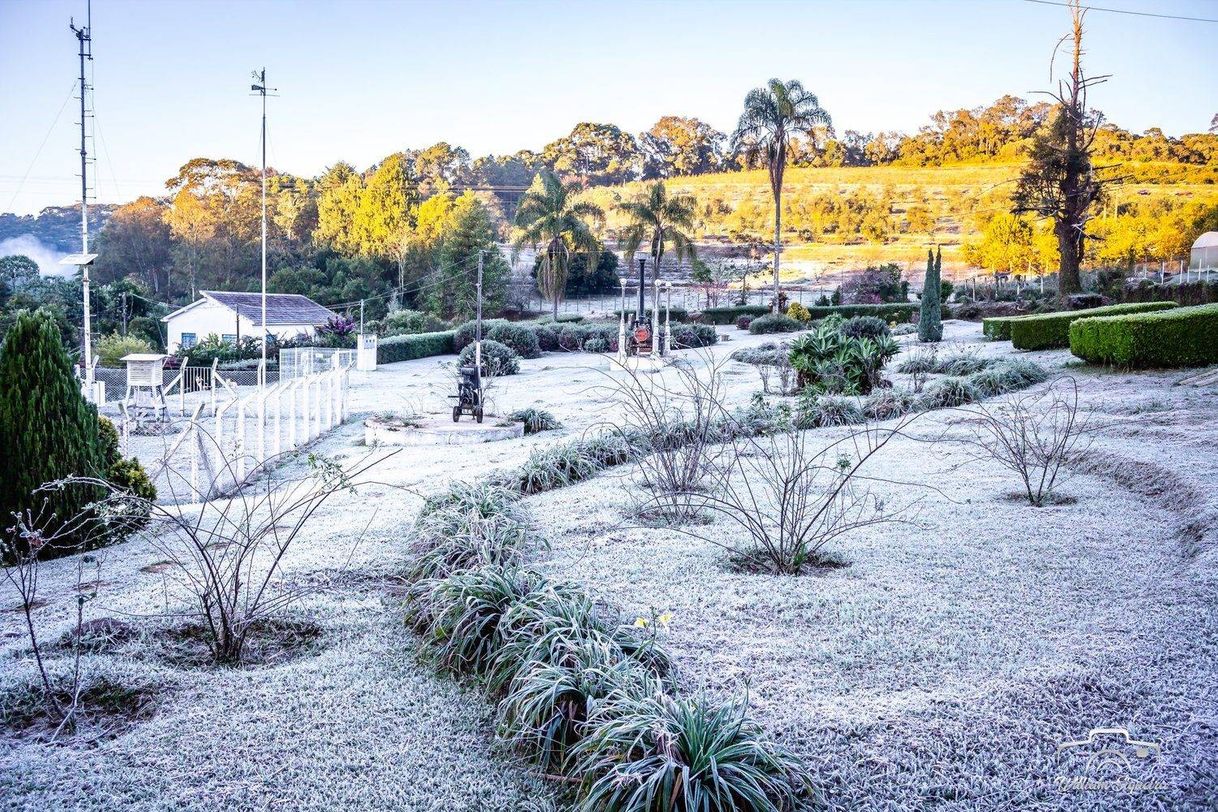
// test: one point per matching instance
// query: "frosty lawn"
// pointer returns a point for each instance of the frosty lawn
(940, 668)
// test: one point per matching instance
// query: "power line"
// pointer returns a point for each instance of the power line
(1126, 11)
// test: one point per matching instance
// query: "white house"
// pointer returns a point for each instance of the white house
(233, 316)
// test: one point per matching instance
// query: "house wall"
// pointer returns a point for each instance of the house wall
(210, 318)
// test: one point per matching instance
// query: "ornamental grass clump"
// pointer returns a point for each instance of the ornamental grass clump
(949, 393)
(655, 753)
(885, 404)
(827, 410)
(535, 420)
(1008, 375)
(465, 529)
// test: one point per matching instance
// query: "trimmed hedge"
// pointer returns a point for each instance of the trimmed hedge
(1178, 337)
(728, 315)
(892, 311)
(675, 314)
(419, 345)
(1052, 330)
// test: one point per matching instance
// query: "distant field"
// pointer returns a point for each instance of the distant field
(960, 198)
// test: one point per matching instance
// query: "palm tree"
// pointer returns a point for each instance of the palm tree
(659, 220)
(772, 116)
(552, 216)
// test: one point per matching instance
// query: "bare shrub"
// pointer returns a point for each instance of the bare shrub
(226, 555)
(680, 413)
(1035, 436)
(792, 493)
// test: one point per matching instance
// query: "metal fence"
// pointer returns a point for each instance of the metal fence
(300, 361)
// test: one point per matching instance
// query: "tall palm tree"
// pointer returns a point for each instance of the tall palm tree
(550, 216)
(660, 221)
(772, 116)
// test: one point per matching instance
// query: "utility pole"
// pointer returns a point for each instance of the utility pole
(478, 331)
(261, 89)
(85, 39)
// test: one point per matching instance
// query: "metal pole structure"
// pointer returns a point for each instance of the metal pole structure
(642, 289)
(84, 36)
(478, 332)
(261, 89)
(621, 326)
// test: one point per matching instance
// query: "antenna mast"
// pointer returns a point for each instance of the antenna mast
(261, 89)
(85, 39)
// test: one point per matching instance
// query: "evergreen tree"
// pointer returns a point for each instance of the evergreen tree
(930, 317)
(47, 431)
(452, 286)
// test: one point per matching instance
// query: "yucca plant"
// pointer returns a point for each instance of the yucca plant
(658, 754)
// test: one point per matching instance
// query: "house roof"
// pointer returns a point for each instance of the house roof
(281, 308)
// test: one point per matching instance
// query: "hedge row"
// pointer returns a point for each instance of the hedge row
(1052, 330)
(675, 314)
(419, 345)
(1180, 337)
(728, 315)
(892, 311)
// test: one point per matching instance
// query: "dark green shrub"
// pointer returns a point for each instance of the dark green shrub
(465, 334)
(127, 474)
(547, 338)
(890, 312)
(1186, 336)
(596, 344)
(497, 359)
(571, 337)
(771, 323)
(410, 322)
(410, 347)
(743, 322)
(1052, 330)
(47, 432)
(865, 327)
(520, 337)
(686, 336)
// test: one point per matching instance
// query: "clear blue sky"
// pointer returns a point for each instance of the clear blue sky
(363, 78)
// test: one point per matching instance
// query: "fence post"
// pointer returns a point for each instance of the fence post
(278, 412)
(211, 383)
(304, 409)
(292, 414)
(193, 438)
(239, 446)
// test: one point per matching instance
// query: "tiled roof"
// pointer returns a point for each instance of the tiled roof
(281, 308)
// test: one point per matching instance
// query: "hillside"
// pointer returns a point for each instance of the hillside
(842, 218)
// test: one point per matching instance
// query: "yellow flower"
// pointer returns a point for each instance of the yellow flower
(664, 618)
(640, 622)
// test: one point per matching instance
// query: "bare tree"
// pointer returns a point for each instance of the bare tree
(1060, 181)
(1035, 436)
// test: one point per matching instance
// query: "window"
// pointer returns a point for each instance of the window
(229, 338)
(189, 340)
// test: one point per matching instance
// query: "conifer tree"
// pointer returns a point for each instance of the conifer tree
(47, 431)
(930, 317)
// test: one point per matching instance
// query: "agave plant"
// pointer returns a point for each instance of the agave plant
(654, 753)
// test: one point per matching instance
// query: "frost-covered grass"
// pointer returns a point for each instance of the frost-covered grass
(944, 665)
(939, 669)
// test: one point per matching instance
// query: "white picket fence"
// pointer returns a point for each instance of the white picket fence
(215, 454)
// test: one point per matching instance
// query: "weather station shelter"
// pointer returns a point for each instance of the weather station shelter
(233, 316)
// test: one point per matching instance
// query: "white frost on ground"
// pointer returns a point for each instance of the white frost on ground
(940, 668)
